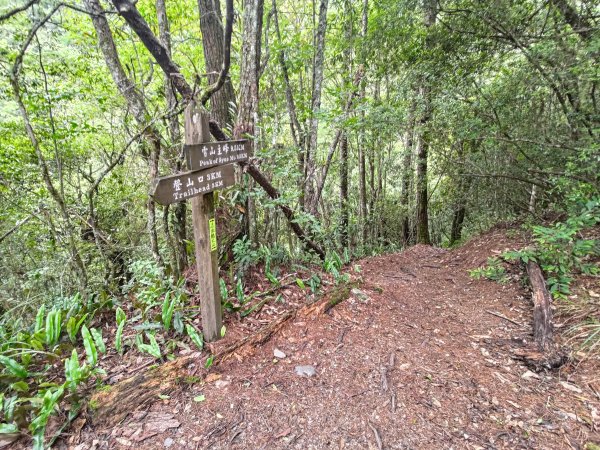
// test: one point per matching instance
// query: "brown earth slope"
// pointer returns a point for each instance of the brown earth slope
(416, 358)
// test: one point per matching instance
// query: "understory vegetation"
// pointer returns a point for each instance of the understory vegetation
(375, 126)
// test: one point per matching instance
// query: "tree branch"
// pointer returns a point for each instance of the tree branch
(17, 10)
(257, 175)
(132, 16)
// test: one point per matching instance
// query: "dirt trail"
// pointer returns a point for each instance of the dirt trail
(413, 360)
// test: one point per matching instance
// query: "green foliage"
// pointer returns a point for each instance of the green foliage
(194, 336)
(493, 270)
(38, 425)
(98, 340)
(89, 345)
(168, 307)
(53, 327)
(562, 251)
(152, 348)
(245, 256)
(121, 321)
(333, 264)
(13, 367)
(74, 325)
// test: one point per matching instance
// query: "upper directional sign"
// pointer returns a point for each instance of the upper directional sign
(180, 187)
(209, 154)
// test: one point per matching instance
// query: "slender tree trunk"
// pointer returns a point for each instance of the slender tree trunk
(344, 212)
(249, 81)
(298, 132)
(135, 102)
(76, 259)
(317, 86)
(362, 175)
(222, 102)
(336, 139)
(460, 209)
(422, 217)
(178, 245)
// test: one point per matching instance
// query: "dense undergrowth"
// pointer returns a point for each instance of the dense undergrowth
(49, 363)
(54, 358)
(565, 250)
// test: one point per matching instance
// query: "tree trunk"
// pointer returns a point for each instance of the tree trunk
(338, 134)
(362, 174)
(344, 212)
(222, 101)
(135, 103)
(249, 81)
(298, 132)
(457, 224)
(407, 175)
(460, 209)
(317, 85)
(422, 217)
(179, 210)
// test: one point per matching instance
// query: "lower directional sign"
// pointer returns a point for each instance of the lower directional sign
(180, 187)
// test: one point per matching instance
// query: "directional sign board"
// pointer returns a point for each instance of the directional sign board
(209, 154)
(180, 187)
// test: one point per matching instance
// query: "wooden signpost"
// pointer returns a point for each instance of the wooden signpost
(211, 168)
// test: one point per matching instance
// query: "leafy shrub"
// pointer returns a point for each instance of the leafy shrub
(562, 251)
(493, 270)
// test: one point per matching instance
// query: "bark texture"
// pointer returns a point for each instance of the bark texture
(317, 86)
(178, 238)
(135, 103)
(422, 207)
(211, 27)
(542, 311)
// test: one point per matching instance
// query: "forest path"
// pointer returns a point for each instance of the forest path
(414, 359)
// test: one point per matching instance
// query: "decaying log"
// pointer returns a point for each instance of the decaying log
(112, 406)
(246, 345)
(542, 312)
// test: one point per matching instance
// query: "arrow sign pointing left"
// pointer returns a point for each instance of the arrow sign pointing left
(183, 186)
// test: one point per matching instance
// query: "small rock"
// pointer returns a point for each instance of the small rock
(169, 442)
(529, 375)
(278, 354)
(305, 371)
(221, 383)
(495, 401)
(360, 294)
(570, 387)
(435, 402)
(404, 366)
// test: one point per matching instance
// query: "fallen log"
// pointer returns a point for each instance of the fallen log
(542, 312)
(112, 405)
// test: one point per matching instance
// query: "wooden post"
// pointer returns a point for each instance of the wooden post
(205, 241)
